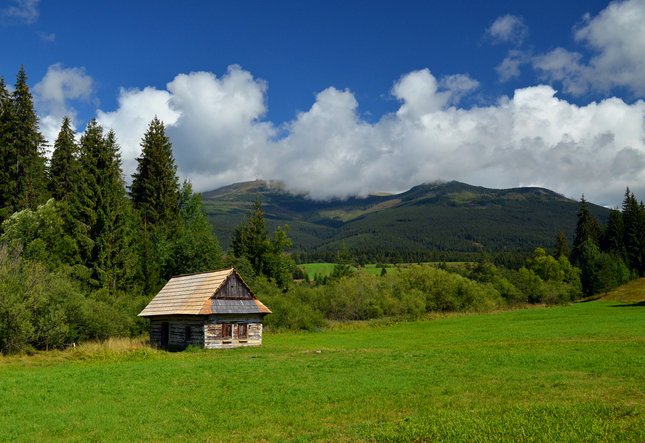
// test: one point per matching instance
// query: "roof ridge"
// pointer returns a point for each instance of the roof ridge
(205, 272)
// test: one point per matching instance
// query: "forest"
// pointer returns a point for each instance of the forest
(81, 253)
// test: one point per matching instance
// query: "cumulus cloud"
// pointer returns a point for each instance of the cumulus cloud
(530, 139)
(25, 12)
(508, 29)
(616, 38)
(130, 121)
(53, 93)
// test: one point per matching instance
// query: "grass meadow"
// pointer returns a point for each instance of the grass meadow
(324, 269)
(566, 374)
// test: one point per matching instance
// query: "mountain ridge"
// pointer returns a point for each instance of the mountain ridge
(436, 216)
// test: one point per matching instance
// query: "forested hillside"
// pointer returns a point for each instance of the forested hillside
(449, 216)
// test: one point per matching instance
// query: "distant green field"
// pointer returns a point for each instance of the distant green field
(574, 374)
(321, 269)
(324, 269)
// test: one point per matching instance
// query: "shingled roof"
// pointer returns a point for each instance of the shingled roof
(197, 294)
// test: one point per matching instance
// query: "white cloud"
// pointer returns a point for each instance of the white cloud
(53, 93)
(130, 122)
(510, 67)
(508, 29)
(26, 12)
(532, 138)
(616, 38)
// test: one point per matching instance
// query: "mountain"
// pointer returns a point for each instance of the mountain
(449, 216)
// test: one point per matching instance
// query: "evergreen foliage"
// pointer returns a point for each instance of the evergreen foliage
(613, 234)
(561, 247)
(586, 229)
(108, 224)
(266, 255)
(23, 181)
(195, 248)
(64, 172)
(154, 189)
(634, 232)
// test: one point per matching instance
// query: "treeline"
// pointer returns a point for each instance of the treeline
(82, 253)
(512, 259)
(611, 255)
(416, 290)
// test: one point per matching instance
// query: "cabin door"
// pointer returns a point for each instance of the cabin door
(165, 334)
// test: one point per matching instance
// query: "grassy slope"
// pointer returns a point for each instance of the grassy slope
(632, 292)
(572, 373)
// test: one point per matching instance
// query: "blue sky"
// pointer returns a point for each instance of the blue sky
(341, 98)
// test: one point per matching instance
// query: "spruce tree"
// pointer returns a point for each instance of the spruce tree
(24, 179)
(634, 232)
(613, 234)
(586, 229)
(64, 173)
(107, 223)
(154, 189)
(5, 149)
(266, 255)
(561, 247)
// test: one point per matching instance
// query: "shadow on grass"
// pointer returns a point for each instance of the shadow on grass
(591, 298)
(631, 305)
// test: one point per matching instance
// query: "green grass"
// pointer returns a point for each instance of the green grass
(327, 268)
(322, 269)
(574, 373)
(632, 292)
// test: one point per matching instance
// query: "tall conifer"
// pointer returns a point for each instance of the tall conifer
(561, 247)
(586, 229)
(634, 232)
(24, 179)
(107, 222)
(5, 147)
(155, 186)
(613, 235)
(64, 173)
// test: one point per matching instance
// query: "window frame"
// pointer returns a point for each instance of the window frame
(227, 328)
(245, 327)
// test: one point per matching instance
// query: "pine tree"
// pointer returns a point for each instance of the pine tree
(561, 247)
(154, 189)
(266, 255)
(613, 234)
(107, 223)
(5, 149)
(251, 239)
(634, 232)
(23, 182)
(586, 229)
(64, 173)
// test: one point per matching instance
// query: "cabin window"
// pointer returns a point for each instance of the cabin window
(242, 331)
(227, 331)
(187, 334)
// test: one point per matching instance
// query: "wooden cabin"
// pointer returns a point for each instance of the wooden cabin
(211, 310)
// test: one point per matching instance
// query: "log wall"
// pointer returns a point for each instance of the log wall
(206, 332)
(213, 331)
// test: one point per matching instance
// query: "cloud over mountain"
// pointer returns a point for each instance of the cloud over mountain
(532, 138)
